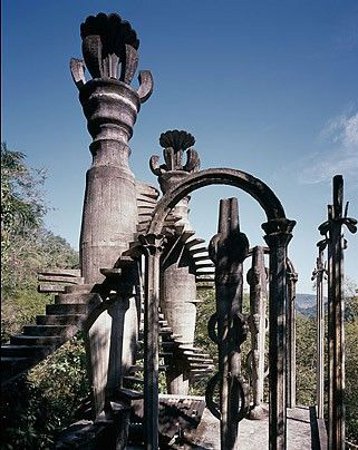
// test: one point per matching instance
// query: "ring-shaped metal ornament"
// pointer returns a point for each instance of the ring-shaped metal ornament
(242, 388)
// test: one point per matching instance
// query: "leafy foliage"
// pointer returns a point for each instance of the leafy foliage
(44, 401)
(41, 404)
(26, 245)
(306, 360)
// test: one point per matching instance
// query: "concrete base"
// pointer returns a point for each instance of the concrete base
(253, 434)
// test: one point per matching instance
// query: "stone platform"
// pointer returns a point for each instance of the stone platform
(253, 434)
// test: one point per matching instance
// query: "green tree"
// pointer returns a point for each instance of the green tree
(26, 245)
(42, 402)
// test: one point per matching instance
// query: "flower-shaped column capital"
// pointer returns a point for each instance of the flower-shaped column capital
(175, 143)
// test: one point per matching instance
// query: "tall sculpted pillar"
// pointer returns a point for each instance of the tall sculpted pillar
(178, 284)
(111, 105)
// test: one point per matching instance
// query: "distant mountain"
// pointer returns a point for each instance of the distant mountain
(306, 304)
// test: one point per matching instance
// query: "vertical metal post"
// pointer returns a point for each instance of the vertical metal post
(278, 235)
(292, 279)
(152, 247)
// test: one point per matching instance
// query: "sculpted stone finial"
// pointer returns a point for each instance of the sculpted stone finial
(175, 144)
(109, 47)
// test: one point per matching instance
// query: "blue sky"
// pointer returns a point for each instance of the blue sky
(268, 87)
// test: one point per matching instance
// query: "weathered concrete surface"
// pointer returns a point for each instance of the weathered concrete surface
(110, 218)
(253, 434)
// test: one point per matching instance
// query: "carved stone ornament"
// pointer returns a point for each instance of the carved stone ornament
(109, 48)
(175, 144)
(278, 226)
(152, 244)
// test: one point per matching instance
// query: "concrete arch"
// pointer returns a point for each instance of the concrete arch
(232, 177)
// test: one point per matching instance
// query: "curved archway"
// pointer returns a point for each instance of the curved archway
(232, 177)
(278, 234)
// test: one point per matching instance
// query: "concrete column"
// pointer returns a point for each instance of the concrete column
(332, 229)
(178, 293)
(292, 278)
(152, 247)
(228, 249)
(319, 274)
(179, 288)
(257, 279)
(278, 235)
(109, 219)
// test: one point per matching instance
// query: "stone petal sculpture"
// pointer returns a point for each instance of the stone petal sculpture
(110, 50)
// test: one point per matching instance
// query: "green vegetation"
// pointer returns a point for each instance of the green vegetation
(38, 405)
(26, 245)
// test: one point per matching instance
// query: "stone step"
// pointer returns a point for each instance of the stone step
(63, 319)
(124, 261)
(144, 219)
(59, 278)
(67, 308)
(128, 394)
(186, 234)
(51, 288)
(201, 366)
(146, 202)
(133, 379)
(205, 278)
(189, 347)
(15, 360)
(141, 228)
(205, 271)
(53, 341)
(199, 359)
(168, 345)
(204, 264)
(200, 371)
(196, 240)
(73, 298)
(135, 368)
(140, 355)
(162, 332)
(49, 330)
(56, 271)
(79, 288)
(200, 249)
(9, 350)
(146, 209)
(114, 273)
(202, 257)
(13, 366)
